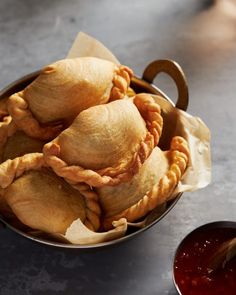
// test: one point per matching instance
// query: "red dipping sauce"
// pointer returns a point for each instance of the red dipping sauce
(190, 267)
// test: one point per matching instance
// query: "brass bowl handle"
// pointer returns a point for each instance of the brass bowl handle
(174, 70)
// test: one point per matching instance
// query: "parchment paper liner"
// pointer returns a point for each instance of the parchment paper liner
(176, 122)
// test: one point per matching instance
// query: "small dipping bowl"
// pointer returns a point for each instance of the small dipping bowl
(190, 269)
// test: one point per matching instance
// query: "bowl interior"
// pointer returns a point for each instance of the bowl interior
(139, 86)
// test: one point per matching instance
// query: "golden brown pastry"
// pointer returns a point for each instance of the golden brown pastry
(130, 92)
(152, 186)
(9, 216)
(107, 144)
(29, 186)
(115, 199)
(64, 89)
(43, 201)
(12, 169)
(20, 144)
(7, 129)
(15, 143)
(3, 109)
(5, 209)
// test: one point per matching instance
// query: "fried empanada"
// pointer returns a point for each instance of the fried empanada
(7, 129)
(45, 202)
(15, 143)
(3, 109)
(64, 89)
(20, 144)
(12, 169)
(152, 186)
(107, 144)
(42, 200)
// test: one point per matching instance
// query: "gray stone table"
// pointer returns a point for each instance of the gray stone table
(203, 40)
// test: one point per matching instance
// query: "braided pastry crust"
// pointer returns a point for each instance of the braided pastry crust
(11, 170)
(161, 192)
(64, 89)
(144, 136)
(24, 119)
(121, 82)
(93, 209)
(46, 201)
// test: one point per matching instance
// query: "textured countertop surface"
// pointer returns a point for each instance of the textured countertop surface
(203, 42)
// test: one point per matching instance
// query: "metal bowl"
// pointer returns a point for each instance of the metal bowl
(144, 84)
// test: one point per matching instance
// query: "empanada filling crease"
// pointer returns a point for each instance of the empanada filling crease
(107, 144)
(64, 89)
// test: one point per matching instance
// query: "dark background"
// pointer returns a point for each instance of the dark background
(34, 33)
